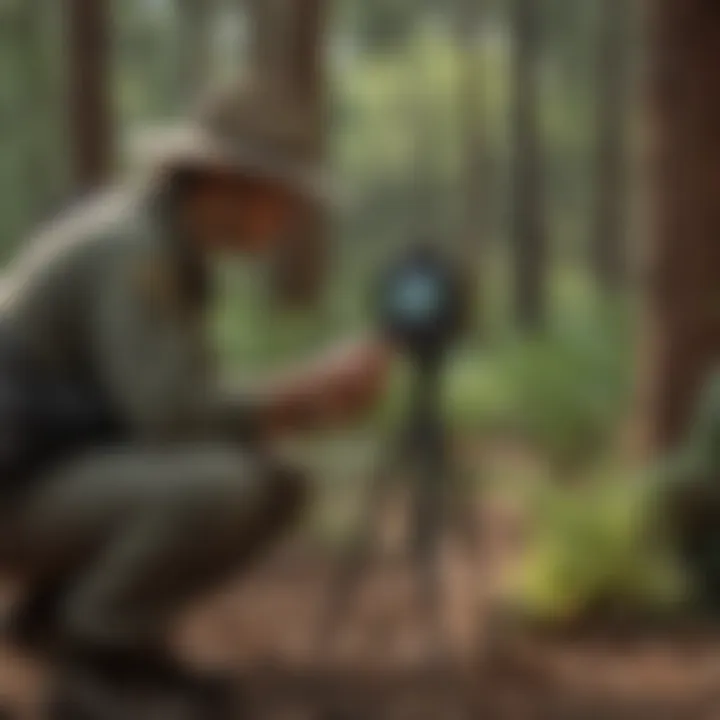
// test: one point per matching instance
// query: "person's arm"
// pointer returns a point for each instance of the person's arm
(336, 388)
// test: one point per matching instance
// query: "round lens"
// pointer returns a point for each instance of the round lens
(417, 298)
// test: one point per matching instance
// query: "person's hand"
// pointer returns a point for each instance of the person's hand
(337, 388)
(352, 379)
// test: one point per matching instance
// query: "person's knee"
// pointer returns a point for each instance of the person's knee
(236, 497)
(216, 526)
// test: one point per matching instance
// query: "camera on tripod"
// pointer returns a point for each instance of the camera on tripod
(423, 302)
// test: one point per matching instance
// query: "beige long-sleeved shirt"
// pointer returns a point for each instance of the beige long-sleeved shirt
(109, 295)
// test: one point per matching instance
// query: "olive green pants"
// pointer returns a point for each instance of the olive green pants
(127, 538)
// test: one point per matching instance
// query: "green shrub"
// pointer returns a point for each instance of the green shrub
(567, 391)
(475, 398)
(596, 549)
(563, 393)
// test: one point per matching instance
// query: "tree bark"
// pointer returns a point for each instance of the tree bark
(609, 251)
(307, 46)
(474, 223)
(528, 217)
(268, 38)
(89, 94)
(194, 49)
(685, 291)
(287, 46)
(39, 134)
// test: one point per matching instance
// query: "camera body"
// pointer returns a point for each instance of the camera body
(423, 302)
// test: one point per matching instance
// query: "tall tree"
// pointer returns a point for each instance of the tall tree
(288, 46)
(686, 249)
(609, 251)
(39, 133)
(89, 95)
(530, 241)
(306, 43)
(194, 48)
(268, 37)
(468, 20)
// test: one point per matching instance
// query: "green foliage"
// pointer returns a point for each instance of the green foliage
(567, 390)
(688, 486)
(397, 71)
(596, 550)
(398, 133)
(252, 333)
(563, 394)
(381, 24)
(479, 399)
(699, 457)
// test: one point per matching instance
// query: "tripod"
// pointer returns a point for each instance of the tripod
(421, 452)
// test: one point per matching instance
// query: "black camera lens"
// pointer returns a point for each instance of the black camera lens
(421, 301)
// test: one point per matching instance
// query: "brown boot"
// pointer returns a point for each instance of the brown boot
(111, 684)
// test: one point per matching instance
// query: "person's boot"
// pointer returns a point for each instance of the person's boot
(31, 624)
(111, 684)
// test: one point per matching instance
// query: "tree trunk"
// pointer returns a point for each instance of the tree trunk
(474, 223)
(89, 100)
(268, 38)
(609, 251)
(528, 217)
(39, 133)
(685, 299)
(307, 46)
(307, 50)
(194, 49)
(287, 46)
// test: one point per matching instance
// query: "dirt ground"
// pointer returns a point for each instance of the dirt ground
(380, 669)
(383, 663)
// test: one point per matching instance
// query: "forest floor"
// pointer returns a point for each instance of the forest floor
(382, 664)
(376, 671)
(380, 669)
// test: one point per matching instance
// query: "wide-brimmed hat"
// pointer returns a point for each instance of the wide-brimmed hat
(261, 130)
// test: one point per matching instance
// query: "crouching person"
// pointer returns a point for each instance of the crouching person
(138, 484)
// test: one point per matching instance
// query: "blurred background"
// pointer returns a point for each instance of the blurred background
(565, 150)
(508, 132)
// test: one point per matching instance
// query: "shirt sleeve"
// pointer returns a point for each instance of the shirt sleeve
(153, 358)
(149, 360)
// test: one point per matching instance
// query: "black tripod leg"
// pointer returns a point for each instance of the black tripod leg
(430, 515)
(429, 585)
(345, 581)
(465, 517)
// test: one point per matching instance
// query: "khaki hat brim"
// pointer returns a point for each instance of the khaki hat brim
(188, 146)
